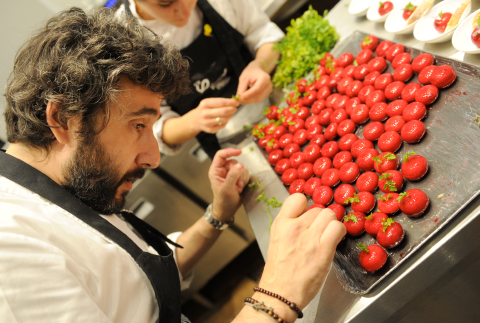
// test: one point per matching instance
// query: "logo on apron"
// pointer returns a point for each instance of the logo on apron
(220, 83)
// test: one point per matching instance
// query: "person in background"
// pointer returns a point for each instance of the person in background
(229, 46)
(82, 102)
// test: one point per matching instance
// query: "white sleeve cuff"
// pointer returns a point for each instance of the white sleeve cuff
(166, 149)
(185, 282)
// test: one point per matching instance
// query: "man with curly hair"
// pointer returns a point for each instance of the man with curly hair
(82, 100)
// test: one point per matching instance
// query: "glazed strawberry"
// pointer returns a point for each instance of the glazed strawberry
(373, 222)
(364, 160)
(343, 193)
(414, 111)
(323, 92)
(426, 73)
(413, 131)
(382, 81)
(295, 125)
(359, 114)
(385, 161)
(393, 51)
(324, 116)
(394, 90)
(391, 234)
(367, 182)
(390, 181)
(389, 141)
(364, 56)
(258, 131)
(292, 98)
(320, 206)
(313, 119)
(403, 73)
(385, 7)
(408, 10)
(331, 177)
(300, 137)
(378, 112)
(297, 159)
(338, 209)
(373, 130)
(282, 165)
(312, 131)
(319, 73)
(427, 94)
(413, 202)
(345, 59)
(341, 158)
(349, 172)
(318, 140)
(303, 113)
(289, 176)
(396, 108)
(354, 88)
(272, 145)
(359, 145)
(443, 76)
(343, 83)
(338, 115)
(349, 71)
(346, 142)
(371, 77)
(331, 131)
(311, 153)
(375, 97)
(441, 21)
(369, 42)
(321, 165)
(403, 58)
(325, 58)
(381, 49)
(363, 202)
(395, 123)
(318, 106)
(330, 149)
(373, 257)
(296, 186)
(388, 203)
(422, 61)
(285, 139)
(355, 223)
(361, 71)
(305, 171)
(271, 112)
(353, 102)
(301, 85)
(290, 149)
(310, 185)
(414, 166)
(377, 64)
(408, 93)
(322, 195)
(365, 92)
(346, 127)
(275, 156)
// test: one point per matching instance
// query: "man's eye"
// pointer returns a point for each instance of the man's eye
(165, 4)
(139, 126)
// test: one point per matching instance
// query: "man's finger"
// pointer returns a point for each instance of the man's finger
(324, 218)
(294, 206)
(213, 103)
(223, 112)
(233, 175)
(243, 85)
(222, 155)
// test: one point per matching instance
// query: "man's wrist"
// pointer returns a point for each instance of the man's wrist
(221, 213)
(279, 307)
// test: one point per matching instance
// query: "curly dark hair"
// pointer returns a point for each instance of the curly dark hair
(76, 60)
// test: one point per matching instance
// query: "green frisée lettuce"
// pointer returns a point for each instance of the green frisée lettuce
(307, 40)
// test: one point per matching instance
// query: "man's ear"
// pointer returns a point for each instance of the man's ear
(63, 133)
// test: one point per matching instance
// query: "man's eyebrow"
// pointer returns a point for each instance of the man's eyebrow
(145, 111)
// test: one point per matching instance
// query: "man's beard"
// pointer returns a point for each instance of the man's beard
(93, 177)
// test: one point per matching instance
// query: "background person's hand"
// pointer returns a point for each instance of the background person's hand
(212, 114)
(254, 84)
(301, 249)
(228, 178)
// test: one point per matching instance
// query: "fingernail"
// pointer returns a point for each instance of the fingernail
(239, 166)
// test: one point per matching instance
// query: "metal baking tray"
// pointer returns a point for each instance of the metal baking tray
(452, 147)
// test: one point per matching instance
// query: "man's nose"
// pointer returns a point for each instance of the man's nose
(149, 157)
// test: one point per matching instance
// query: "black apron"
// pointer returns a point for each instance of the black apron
(161, 270)
(217, 62)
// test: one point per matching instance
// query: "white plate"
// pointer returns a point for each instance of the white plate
(396, 24)
(425, 31)
(360, 7)
(373, 15)
(461, 38)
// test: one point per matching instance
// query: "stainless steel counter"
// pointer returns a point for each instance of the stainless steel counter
(438, 283)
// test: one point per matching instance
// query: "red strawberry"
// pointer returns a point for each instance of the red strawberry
(369, 42)
(322, 195)
(364, 160)
(296, 186)
(391, 234)
(414, 166)
(321, 165)
(388, 203)
(413, 131)
(390, 181)
(343, 193)
(355, 223)
(373, 222)
(341, 159)
(388, 141)
(385, 161)
(367, 182)
(413, 202)
(359, 145)
(373, 257)
(338, 209)
(316, 205)
(331, 177)
(349, 172)
(363, 202)
(311, 185)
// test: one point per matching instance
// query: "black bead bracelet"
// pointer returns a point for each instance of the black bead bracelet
(292, 305)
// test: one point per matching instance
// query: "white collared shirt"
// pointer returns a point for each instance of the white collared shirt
(56, 268)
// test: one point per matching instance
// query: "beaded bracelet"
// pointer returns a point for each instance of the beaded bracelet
(260, 307)
(292, 305)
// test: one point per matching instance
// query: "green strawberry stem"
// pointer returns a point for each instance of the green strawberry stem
(363, 247)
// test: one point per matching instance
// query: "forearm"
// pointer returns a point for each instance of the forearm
(178, 130)
(266, 57)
